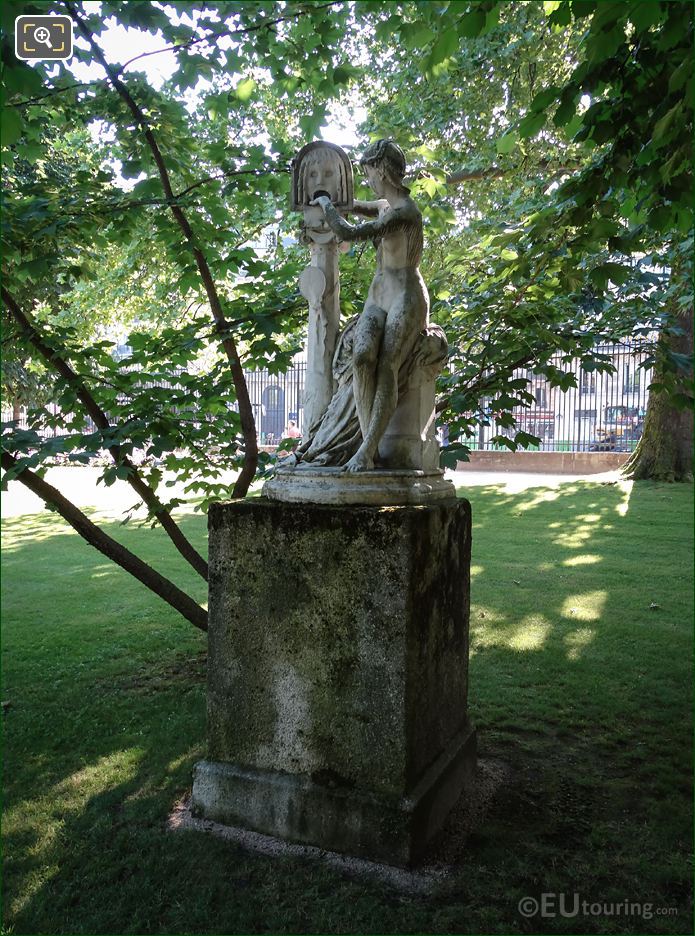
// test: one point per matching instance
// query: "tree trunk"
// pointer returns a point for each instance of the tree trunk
(112, 549)
(665, 450)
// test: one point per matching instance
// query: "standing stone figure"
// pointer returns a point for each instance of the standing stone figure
(320, 168)
(397, 306)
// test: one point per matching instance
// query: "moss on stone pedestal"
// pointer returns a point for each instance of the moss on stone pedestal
(338, 643)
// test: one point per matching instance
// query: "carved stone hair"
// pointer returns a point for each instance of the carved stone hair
(387, 155)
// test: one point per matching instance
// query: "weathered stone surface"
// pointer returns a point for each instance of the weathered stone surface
(385, 488)
(337, 673)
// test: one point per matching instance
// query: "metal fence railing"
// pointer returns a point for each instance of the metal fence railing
(604, 412)
(277, 400)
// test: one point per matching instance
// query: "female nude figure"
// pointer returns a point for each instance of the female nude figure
(397, 305)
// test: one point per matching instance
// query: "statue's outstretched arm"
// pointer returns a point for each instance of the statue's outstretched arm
(368, 209)
(393, 220)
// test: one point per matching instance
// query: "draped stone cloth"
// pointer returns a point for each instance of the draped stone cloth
(336, 436)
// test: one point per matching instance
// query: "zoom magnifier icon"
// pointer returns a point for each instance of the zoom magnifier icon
(43, 38)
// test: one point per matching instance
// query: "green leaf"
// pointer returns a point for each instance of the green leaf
(343, 73)
(663, 126)
(445, 46)
(418, 36)
(21, 79)
(545, 98)
(531, 124)
(581, 8)
(471, 25)
(573, 126)
(566, 110)
(310, 123)
(451, 454)
(507, 143)
(11, 129)
(605, 45)
(245, 89)
(615, 272)
(387, 29)
(643, 15)
(562, 16)
(680, 76)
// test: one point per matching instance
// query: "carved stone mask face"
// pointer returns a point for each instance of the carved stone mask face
(321, 176)
(321, 168)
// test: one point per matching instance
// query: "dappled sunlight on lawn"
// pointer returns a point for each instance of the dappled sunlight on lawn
(34, 883)
(587, 559)
(578, 641)
(191, 754)
(576, 538)
(587, 606)
(575, 683)
(542, 496)
(42, 820)
(626, 488)
(528, 634)
(113, 768)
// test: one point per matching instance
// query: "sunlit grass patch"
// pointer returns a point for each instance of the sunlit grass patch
(585, 606)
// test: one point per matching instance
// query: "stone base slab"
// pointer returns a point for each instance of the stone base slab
(383, 487)
(297, 808)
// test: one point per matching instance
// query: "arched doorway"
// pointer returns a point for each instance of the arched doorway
(273, 421)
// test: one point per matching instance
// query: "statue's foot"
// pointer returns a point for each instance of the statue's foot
(359, 462)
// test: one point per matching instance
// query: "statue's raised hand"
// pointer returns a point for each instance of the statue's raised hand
(321, 200)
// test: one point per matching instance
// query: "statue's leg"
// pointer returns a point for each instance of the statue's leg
(401, 329)
(365, 354)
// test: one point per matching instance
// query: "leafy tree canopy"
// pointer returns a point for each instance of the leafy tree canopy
(550, 146)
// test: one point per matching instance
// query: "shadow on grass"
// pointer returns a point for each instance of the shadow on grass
(576, 681)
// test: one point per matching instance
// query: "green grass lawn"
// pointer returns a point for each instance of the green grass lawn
(580, 681)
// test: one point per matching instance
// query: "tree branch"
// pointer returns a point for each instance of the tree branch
(248, 424)
(101, 421)
(225, 175)
(496, 172)
(123, 557)
(222, 34)
(53, 91)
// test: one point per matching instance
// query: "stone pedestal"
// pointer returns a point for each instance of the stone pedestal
(337, 673)
(384, 488)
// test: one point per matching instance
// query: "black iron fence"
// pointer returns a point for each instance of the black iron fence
(277, 401)
(604, 412)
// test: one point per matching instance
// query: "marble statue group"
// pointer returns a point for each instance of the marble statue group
(369, 399)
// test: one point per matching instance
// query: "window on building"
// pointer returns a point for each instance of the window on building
(587, 383)
(631, 379)
(272, 396)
